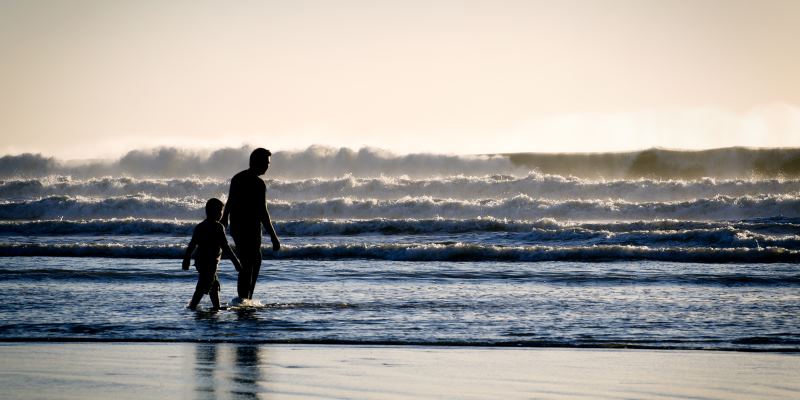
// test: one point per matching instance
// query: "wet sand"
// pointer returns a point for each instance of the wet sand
(246, 371)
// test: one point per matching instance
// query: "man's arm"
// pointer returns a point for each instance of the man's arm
(226, 210)
(267, 222)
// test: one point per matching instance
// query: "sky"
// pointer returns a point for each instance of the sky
(94, 79)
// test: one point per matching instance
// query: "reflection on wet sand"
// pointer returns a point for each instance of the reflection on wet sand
(167, 371)
(227, 371)
(205, 364)
(246, 372)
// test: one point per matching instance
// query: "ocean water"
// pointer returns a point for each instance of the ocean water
(470, 251)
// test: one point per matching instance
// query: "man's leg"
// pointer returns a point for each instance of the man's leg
(249, 254)
(243, 282)
(254, 275)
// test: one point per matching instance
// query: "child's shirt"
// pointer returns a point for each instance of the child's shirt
(209, 236)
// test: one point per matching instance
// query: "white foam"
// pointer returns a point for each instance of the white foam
(435, 252)
(238, 303)
(327, 162)
(519, 207)
(460, 187)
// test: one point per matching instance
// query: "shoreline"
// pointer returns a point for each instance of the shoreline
(286, 371)
(396, 344)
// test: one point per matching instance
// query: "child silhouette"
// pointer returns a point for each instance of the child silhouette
(210, 241)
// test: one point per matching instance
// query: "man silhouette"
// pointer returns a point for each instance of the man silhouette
(247, 209)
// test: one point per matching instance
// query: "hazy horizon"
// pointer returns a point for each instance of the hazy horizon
(207, 151)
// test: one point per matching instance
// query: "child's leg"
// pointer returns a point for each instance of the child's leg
(198, 295)
(199, 290)
(213, 293)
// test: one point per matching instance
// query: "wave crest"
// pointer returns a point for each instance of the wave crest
(321, 161)
(520, 207)
(431, 252)
(461, 187)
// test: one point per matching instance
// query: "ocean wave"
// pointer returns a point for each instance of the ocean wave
(718, 238)
(57, 185)
(321, 161)
(550, 187)
(114, 226)
(105, 250)
(59, 207)
(315, 161)
(308, 227)
(520, 207)
(409, 226)
(431, 252)
(729, 234)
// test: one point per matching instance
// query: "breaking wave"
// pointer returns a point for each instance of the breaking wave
(315, 161)
(783, 233)
(57, 207)
(327, 162)
(431, 252)
(520, 207)
(552, 187)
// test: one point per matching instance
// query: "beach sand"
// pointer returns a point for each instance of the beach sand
(247, 371)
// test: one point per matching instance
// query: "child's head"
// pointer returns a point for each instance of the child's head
(214, 208)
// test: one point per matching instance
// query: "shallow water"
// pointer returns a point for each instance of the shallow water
(651, 304)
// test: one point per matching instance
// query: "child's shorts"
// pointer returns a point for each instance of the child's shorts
(207, 280)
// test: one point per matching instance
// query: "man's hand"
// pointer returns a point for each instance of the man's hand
(186, 263)
(276, 244)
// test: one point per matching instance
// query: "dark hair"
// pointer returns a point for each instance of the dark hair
(213, 207)
(259, 157)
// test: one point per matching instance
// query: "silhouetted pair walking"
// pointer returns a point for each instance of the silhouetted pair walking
(246, 212)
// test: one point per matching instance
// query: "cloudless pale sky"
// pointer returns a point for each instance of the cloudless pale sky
(86, 79)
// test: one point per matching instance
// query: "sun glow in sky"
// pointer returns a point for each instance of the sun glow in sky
(83, 79)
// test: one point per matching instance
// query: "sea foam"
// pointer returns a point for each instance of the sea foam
(519, 207)
(550, 187)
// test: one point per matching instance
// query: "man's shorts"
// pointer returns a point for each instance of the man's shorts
(248, 251)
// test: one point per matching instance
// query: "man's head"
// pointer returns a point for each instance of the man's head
(259, 160)
(214, 208)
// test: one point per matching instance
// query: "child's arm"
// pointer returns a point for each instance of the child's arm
(187, 257)
(226, 249)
